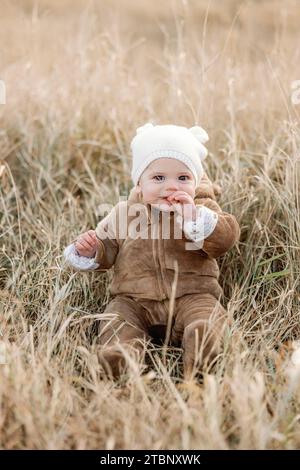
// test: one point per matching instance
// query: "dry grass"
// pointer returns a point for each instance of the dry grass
(80, 77)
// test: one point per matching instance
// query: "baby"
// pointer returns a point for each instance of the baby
(165, 270)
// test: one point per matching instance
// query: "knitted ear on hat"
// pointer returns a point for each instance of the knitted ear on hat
(201, 135)
(145, 127)
(140, 130)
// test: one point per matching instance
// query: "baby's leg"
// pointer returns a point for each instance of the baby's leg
(201, 319)
(126, 329)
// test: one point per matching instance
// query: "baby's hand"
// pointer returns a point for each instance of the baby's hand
(184, 204)
(87, 244)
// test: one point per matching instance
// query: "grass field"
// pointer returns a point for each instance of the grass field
(79, 78)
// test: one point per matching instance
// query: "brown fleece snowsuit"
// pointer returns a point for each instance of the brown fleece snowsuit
(144, 272)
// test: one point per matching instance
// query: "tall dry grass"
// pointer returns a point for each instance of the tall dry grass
(80, 77)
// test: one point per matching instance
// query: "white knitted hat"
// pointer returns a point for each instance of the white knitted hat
(169, 141)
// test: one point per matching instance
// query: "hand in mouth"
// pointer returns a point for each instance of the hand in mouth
(166, 201)
(163, 204)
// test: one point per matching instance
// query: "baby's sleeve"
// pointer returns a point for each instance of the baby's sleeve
(214, 231)
(107, 233)
(75, 260)
(202, 227)
(225, 234)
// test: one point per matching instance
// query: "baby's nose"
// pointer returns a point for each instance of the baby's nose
(172, 186)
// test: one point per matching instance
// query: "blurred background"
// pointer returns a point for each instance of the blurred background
(77, 70)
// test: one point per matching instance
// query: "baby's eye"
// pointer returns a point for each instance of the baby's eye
(158, 177)
(185, 177)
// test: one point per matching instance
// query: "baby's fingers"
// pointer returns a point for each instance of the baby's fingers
(82, 245)
(84, 249)
(178, 200)
(177, 197)
(91, 234)
(93, 238)
(90, 237)
(88, 242)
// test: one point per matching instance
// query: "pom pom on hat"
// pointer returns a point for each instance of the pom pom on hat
(152, 142)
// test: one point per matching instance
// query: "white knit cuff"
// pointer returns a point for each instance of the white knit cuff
(203, 226)
(77, 261)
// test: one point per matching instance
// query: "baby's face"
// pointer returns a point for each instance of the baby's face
(162, 178)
